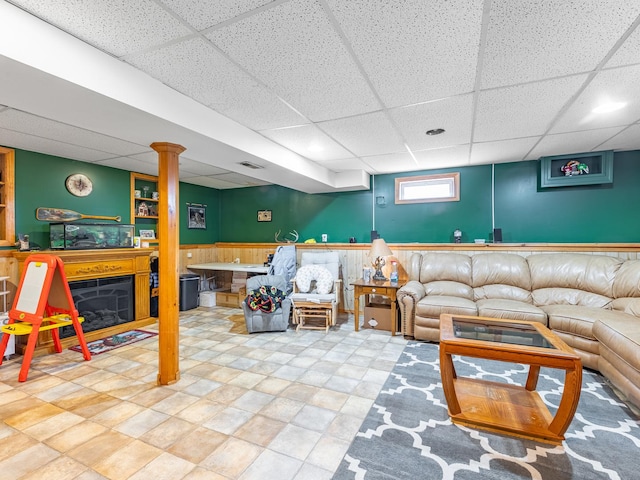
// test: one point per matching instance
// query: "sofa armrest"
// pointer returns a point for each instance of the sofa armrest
(408, 297)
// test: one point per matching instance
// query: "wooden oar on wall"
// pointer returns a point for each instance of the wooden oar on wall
(64, 215)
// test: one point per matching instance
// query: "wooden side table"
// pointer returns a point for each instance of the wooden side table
(385, 288)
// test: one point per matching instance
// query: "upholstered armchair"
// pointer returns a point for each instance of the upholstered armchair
(316, 290)
(266, 321)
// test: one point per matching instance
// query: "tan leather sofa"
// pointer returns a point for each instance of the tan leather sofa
(591, 301)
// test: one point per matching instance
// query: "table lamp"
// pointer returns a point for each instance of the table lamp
(379, 250)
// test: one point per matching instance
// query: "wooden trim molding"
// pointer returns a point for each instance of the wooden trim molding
(465, 247)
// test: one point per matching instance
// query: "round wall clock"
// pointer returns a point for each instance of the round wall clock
(79, 185)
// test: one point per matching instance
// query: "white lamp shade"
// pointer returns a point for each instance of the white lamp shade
(379, 249)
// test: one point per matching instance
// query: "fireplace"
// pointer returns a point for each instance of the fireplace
(102, 271)
(103, 302)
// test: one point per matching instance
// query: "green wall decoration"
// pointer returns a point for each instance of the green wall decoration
(526, 212)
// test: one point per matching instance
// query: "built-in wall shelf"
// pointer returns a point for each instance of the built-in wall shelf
(7, 200)
(144, 206)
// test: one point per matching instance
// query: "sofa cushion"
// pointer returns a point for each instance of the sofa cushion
(620, 334)
(627, 281)
(569, 296)
(591, 273)
(455, 267)
(435, 305)
(506, 292)
(448, 288)
(577, 320)
(501, 269)
(511, 309)
(627, 305)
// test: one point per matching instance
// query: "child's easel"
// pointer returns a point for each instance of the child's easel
(43, 302)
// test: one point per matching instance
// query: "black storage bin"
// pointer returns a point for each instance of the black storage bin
(189, 291)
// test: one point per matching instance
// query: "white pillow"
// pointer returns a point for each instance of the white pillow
(307, 273)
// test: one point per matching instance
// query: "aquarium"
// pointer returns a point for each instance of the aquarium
(84, 236)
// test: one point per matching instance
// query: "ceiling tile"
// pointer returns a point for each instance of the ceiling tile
(574, 142)
(193, 167)
(202, 14)
(308, 141)
(615, 85)
(627, 54)
(127, 163)
(533, 40)
(625, 140)
(239, 179)
(523, 110)
(34, 125)
(294, 50)
(396, 162)
(188, 168)
(452, 114)
(194, 67)
(414, 50)
(50, 147)
(345, 164)
(503, 151)
(457, 156)
(213, 182)
(117, 26)
(365, 135)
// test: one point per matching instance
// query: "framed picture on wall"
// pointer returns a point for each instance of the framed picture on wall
(147, 234)
(197, 216)
(591, 168)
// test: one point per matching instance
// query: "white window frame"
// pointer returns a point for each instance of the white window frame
(451, 181)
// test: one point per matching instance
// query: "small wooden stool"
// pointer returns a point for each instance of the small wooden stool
(304, 311)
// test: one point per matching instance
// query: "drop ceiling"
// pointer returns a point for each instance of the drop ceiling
(320, 94)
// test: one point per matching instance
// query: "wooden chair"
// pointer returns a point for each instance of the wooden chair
(313, 310)
(43, 302)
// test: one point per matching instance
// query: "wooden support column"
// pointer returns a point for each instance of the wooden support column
(168, 261)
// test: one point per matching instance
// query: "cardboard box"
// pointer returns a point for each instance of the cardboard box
(378, 317)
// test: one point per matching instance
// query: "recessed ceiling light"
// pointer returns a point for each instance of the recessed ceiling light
(315, 148)
(609, 107)
(435, 131)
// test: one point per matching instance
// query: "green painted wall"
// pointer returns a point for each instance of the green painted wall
(589, 214)
(40, 178)
(205, 196)
(526, 213)
(340, 215)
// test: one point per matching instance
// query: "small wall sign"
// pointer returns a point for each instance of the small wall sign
(264, 215)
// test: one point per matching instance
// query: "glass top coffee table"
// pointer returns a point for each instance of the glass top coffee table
(500, 407)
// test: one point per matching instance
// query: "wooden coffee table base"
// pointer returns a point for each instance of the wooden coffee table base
(505, 408)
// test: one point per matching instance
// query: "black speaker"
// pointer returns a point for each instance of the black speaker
(374, 235)
(497, 235)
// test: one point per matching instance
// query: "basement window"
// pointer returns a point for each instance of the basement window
(428, 188)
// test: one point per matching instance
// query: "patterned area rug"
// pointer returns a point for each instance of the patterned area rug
(115, 341)
(408, 434)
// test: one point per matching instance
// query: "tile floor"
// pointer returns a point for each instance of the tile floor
(278, 406)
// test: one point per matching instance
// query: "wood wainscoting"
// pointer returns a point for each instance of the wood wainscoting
(354, 256)
(93, 264)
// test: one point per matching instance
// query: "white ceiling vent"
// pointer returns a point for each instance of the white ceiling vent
(251, 165)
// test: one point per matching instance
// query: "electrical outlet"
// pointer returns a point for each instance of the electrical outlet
(189, 255)
(325, 237)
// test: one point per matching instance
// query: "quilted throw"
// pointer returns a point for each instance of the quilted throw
(266, 298)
